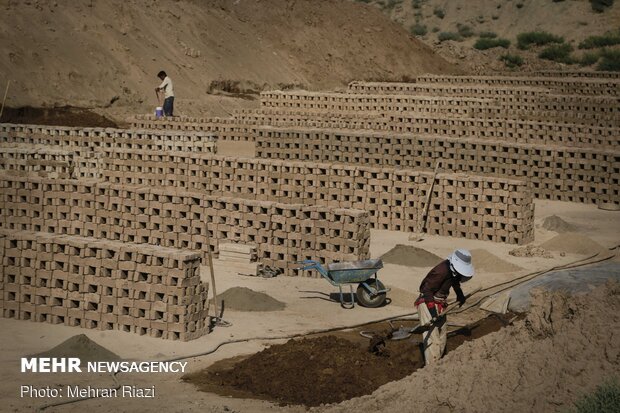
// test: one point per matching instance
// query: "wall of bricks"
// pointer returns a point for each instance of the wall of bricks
(173, 218)
(554, 172)
(39, 161)
(394, 198)
(226, 129)
(103, 285)
(489, 85)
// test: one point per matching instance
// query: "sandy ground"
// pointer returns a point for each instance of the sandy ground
(308, 308)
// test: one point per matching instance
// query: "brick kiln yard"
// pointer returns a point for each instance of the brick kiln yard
(108, 229)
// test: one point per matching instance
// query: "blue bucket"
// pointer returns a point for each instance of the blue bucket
(159, 112)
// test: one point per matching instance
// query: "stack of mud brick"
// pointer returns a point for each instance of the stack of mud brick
(73, 152)
(392, 197)
(284, 233)
(561, 86)
(572, 73)
(236, 128)
(36, 160)
(508, 130)
(601, 111)
(104, 285)
(555, 172)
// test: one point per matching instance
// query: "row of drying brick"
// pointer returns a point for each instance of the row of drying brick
(563, 85)
(174, 218)
(478, 207)
(226, 129)
(570, 73)
(518, 131)
(104, 285)
(84, 141)
(554, 172)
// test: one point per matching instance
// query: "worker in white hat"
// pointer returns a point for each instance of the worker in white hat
(434, 290)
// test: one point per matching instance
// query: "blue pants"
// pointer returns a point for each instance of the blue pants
(169, 106)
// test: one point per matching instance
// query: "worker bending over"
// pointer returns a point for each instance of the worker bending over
(432, 301)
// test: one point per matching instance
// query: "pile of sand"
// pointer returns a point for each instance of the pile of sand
(82, 347)
(410, 256)
(530, 251)
(572, 243)
(564, 348)
(557, 224)
(484, 261)
(245, 299)
(402, 298)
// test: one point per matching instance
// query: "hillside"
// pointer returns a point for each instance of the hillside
(107, 53)
(574, 20)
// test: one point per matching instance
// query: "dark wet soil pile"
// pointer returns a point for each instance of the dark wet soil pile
(410, 256)
(61, 116)
(245, 299)
(82, 347)
(324, 369)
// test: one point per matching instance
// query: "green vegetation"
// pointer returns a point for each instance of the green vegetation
(419, 29)
(558, 53)
(484, 43)
(512, 60)
(588, 59)
(608, 39)
(439, 12)
(600, 6)
(525, 40)
(416, 4)
(443, 36)
(605, 399)
(519, 5)
(610, 61)
(464, 30)
(487, 35)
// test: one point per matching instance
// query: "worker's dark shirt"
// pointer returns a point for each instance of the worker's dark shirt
(438, 282)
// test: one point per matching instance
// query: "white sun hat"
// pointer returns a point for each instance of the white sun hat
(460, 260)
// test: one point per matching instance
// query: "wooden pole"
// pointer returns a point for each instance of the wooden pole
(6, 92)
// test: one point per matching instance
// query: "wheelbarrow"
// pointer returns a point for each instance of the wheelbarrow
(370, 291)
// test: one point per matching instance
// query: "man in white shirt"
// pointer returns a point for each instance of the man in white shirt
(166, 87)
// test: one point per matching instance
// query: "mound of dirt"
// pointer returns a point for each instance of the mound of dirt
(82, 347)
(564, 348)
(557, 224)
(573, 243)
(107, 53)
(63, 116)
(245, 299)
(410, 256)
(486, 262)
(336, 367)
(530, 251)
(400, 297)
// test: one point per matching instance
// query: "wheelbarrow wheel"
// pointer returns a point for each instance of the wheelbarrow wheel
(371, 300)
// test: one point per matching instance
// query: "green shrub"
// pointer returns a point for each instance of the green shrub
(524, 40)
(605, 399)
(419, 29)
(435, 29)
(610, 61)
(512, 60)
(443, 36)
(558, 53)
(439, 12)
(416, 4)
(519, 5)
(484, 43)
(487, 35)
(608, 39)
(600, 6)
(588, 59)
(464, 30)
